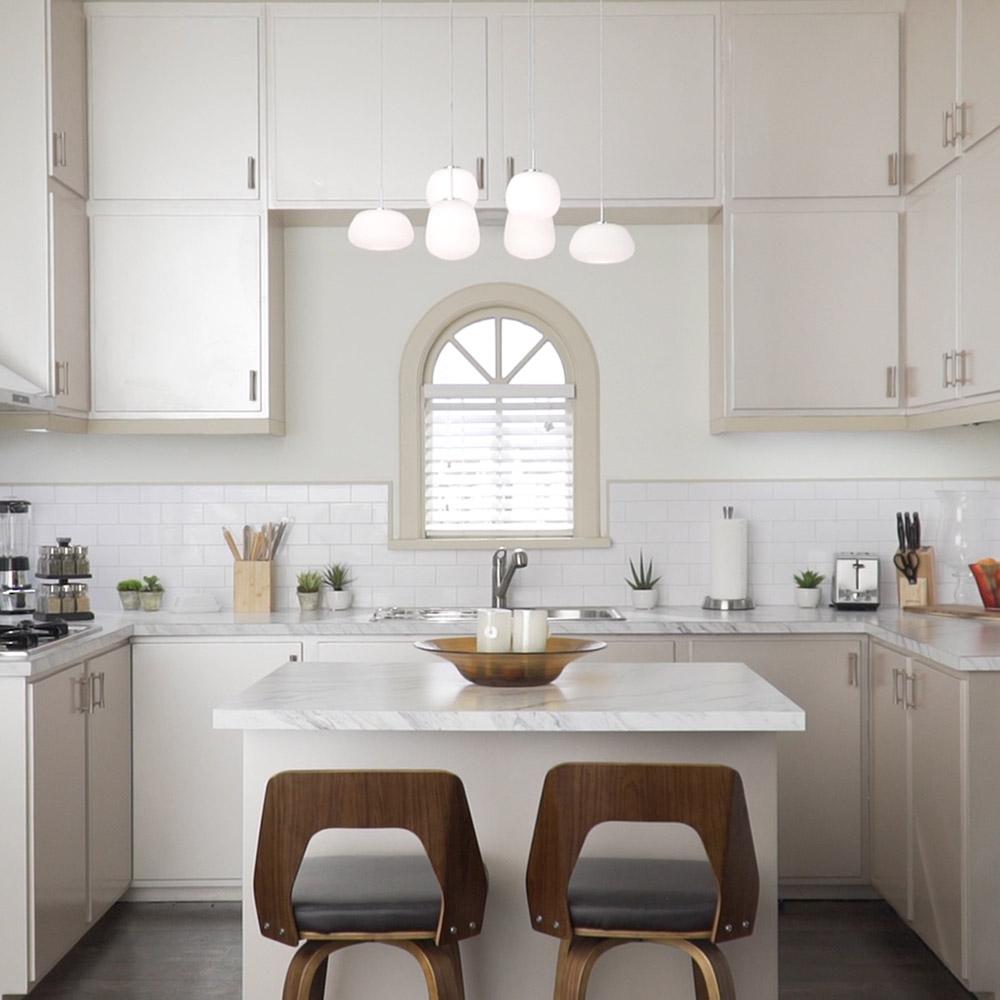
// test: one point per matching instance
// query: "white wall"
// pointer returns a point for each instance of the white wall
(349, 314)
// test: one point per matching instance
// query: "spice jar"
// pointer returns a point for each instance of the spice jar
(81, 597)
(43, 560)
(81, 559)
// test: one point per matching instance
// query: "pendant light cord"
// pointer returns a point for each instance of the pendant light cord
(381, 108)
(531, 78)
(600, 89)
(451, 97)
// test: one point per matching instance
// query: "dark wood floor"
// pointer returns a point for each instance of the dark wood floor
(161, 951)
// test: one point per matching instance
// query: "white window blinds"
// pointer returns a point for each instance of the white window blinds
(498, 435)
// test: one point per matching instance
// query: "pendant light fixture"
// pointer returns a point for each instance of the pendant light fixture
(602, 242)
(532, 196)
(380, 228)
(452, 226)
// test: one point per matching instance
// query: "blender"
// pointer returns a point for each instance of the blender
(17, 595)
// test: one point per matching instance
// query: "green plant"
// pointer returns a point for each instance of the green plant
(808, 579)
(151, 585)
(130, 585)
(642, 578)
(309, 582)
(337, 576)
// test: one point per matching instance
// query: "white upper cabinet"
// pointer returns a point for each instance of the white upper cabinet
(930, 39)
(69, 250)
(814, 322)
(815, 104)
(980, 91)
(177, 315)
(68, 94)
(174, 105)
(660, 100)
(931, 291)
(323, 93)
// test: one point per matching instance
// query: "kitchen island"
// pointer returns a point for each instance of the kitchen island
(501, 743)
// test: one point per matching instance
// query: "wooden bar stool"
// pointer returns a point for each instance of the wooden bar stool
(594, 904)
(422, 904)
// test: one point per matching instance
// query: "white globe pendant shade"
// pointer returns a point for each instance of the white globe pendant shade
(533, 192)
(529, 237)
(452, 230)
(380, 229)
(439, 186)
(602, 243)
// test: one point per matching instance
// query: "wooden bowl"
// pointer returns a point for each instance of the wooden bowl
(509, 669)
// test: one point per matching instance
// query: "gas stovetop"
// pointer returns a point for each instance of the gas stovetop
(18, 639)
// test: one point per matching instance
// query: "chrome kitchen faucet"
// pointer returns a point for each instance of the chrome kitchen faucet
(504, 567)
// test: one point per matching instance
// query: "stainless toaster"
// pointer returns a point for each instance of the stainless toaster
(855, 581)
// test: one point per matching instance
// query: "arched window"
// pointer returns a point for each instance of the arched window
(498, 421)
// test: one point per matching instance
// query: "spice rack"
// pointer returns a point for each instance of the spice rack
(61, 596)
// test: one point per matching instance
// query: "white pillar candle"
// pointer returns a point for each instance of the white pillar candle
(530, 630)
(728, 537)
(493, 628)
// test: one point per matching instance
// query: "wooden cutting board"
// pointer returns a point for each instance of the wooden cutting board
(957, 611)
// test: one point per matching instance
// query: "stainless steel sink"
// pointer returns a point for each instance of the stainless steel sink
(450, 615)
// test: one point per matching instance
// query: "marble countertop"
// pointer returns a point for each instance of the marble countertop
(599, 697)
(955, 643)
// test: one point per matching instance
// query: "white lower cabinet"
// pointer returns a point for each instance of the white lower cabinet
(187, 782)
(371, 651)
(647, 650)
(821, 771)
(81, 809)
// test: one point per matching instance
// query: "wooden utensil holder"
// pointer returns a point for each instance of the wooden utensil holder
(253, 586)
(921, 593)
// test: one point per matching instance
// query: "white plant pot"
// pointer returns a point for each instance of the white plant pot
(807, 598)
(643, 600)
(308, 601)
(340, 600)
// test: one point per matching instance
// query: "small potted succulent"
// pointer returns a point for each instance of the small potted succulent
(151, 595)
(308, 590)
(337, 576)
(643, 584)
(808, 593)
(128, 594)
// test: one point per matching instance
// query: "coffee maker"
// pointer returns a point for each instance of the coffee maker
(17, 594)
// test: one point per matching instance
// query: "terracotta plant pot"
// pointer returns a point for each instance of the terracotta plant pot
(308, 601)
(807, 598)
(340, 600)
(151, 600)
(643, 600)
(129, 599)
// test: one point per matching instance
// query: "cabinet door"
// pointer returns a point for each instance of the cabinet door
(323, 81)
(187, 776)
(937, 736)
(109, 778)
(815, 101)
(890, 807)
(980, 257)
(174, 105)
(176, 317)
(58, 815)
(980, 68)
(70, 296)
(660, 84)
(930, 40)
(814, 310)
(931, 226)
(820, 771)
(68, 69)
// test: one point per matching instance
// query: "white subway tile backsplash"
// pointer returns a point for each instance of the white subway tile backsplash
(288, 494)
(330, 494)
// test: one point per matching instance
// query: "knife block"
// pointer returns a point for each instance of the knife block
(253, 587)
(921, 593)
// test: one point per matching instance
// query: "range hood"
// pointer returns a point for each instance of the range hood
(17, 394)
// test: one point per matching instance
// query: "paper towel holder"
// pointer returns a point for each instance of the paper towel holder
(727, 604)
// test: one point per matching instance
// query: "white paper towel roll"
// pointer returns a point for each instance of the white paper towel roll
(729, 558)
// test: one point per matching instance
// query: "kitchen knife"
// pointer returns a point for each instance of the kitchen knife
(900, 533)
(916, 530)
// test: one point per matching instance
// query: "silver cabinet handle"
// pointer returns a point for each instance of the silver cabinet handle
(82, 698)
(253, 385)
(890, 382)
(59, 149)
(893, 169)
(62, 159)
(897, 695)
(910, 691)
(963, 377)
(59, 388)
(510, 168)
(294, 658)
(949, 137)
(948, 370)
(97, 691)
(481, 172)
(852, 670)
(66, 388)
(251, 173)
(961, 131)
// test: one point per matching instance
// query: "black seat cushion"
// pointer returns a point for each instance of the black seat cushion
(642, 894)
(366, 894)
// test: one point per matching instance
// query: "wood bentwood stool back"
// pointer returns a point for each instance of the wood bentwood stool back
(422, 904)
(594, 904)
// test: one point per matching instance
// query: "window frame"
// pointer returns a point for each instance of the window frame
(556, 323)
